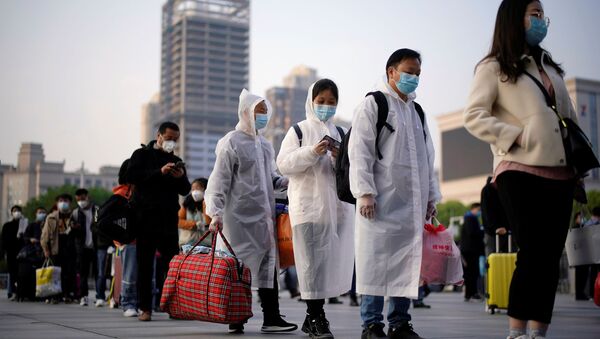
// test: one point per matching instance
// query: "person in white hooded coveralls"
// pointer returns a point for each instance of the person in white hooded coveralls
(240, 200)
(323, 226)
(395, 195)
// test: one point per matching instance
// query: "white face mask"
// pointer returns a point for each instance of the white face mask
(169, 145)
(197, 195)
(17, 214)
(83, 203)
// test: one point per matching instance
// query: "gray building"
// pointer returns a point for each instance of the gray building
(149, 119)
(288, 103)
(33, 176)
(205, 57)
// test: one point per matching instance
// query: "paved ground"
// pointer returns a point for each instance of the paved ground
(449, 317)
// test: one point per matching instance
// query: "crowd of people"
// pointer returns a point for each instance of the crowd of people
(378, 241)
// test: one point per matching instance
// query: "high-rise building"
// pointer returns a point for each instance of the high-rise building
(150, 116)
(288, 103)
(466, 162)
(205, 46)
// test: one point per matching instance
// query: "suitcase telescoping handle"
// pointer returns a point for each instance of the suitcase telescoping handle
(509, 242)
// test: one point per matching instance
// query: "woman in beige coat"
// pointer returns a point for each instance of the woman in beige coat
(508, 110)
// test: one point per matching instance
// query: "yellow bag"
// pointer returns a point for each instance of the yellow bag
(47, 280)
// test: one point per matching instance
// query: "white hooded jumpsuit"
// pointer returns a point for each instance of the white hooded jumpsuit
(240, 190)
(388, 247)
(323, 226)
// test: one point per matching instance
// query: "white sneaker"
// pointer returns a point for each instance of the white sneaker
(112, 304)
(129, 313)
(83, 301)
(100, 303)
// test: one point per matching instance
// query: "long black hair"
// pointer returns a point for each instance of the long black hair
(509, 43)
(189, 203)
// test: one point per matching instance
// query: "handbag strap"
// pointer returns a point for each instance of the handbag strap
(549, 100)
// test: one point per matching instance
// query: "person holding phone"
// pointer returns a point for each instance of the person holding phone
(323, 226)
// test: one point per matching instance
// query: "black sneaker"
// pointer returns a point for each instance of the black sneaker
(353, 300)
(420, 304)
(335, 300)
(277, 324)
(373, 331)
(236, 328)
(317, 328)
(404, 331)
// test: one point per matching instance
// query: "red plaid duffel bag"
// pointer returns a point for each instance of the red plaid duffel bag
(207, 287)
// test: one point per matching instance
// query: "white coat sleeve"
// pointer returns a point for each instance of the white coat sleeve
(361, 149)
(219, 182)
(477, 116)
(293, 158)
(434, 191)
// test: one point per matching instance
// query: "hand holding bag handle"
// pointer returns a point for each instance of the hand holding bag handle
(578, 148)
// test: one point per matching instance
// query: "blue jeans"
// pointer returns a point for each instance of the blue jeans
(128, 298)
(100, 276)
(371, 309)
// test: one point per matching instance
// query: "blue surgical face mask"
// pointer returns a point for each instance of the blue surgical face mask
(537, 31)
(407, 83)
(63, 206)
(40, 216)
(261, 120)
(324, 112)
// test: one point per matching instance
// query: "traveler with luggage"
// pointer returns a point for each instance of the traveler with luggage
(240, 200)
(30, 256)
(192, 221)
(395, 186)
(507, 108)
(323, 225)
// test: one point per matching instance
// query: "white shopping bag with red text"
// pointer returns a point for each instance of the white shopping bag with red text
(441, 263)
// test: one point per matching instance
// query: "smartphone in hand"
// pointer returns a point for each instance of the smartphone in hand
(180, 164)
(332, 143)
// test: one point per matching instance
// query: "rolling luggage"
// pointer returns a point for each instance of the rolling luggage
(208, 285)
(500, 268)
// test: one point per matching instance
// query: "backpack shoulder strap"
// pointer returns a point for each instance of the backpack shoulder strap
(382, 114)
(341, 132)
(298, 133)
(421, 114)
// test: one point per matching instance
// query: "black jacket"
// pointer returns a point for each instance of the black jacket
(493, 215)
(471, 236)
(10, 244)
(153, 190)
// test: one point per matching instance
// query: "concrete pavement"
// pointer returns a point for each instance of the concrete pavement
(449, 317)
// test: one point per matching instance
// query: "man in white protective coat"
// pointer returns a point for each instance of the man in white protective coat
(396, 191)
(240, 200)
(323, 225)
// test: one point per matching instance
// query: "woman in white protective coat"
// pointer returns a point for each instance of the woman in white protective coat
(395, 194)
(240, 200)
(323, 226)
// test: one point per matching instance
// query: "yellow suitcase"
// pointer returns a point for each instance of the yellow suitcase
(500, 268)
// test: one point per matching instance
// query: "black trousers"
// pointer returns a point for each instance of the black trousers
(269, 301)
(87, 262)
(314, 307)
(67, 261)
(471, 273)
(538, 211)
(157, 230)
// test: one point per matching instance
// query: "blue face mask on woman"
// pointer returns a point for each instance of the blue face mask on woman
(407, 83)
(261, 120)
(537, 31)
(324, 112)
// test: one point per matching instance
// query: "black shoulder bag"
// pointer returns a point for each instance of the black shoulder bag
(578, 148)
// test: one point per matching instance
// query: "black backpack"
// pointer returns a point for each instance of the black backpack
(342, 168)
(115, 219)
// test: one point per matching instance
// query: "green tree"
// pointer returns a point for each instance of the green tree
(46, 200)
(450, 208)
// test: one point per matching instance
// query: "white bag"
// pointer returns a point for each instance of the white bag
(47, 280)
(583, 245)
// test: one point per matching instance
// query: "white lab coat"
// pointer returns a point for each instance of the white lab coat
(388, 247)
(240, 189)
(323, 226)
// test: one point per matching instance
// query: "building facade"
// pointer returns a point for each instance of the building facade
(149, 119)
(204, 67)
(288, 103)
(33, 176)
(466, 162)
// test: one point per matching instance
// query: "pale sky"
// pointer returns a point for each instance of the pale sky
(75, 73)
